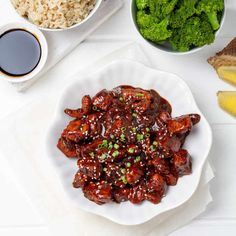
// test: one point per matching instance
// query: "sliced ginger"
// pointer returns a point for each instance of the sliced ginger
(227, 101)
(227, 73)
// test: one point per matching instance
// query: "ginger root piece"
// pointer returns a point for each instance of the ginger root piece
(224, 63)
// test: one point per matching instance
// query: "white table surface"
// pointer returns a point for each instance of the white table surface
(18, 217)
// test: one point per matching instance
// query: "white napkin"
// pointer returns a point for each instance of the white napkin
(22, 141)
(61, 43)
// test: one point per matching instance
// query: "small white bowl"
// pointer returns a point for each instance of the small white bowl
(97, 5)
(166, 47)
(44, 50)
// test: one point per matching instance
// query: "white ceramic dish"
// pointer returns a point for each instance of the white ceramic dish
(180, 97)
(44, 50)
(166, 47)
(97, 5)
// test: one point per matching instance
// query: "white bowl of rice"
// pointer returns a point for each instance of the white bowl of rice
(56, 15)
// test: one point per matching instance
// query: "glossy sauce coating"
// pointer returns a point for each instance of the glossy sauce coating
(127, 144)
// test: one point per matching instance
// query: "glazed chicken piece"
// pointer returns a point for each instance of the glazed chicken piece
(114, 174)
(79, 113)
(156, 188)
(80, 180)
(102, 100)
(182, 124)
(99, 192)
(182, 162)
(157, 183)
(79, 130)
(76, 131)
(134, 173)
(137, 193)
(121, 194)
(67, 147)
(90, 167)
(137, 99)
(172, 177)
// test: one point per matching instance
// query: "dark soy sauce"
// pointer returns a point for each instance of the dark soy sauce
(20, 52)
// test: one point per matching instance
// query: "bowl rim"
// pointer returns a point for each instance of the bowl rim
(44, 50)
(57, 116)
(96, 7)
(132, 2)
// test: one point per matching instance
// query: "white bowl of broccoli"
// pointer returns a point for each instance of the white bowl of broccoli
(178, 26)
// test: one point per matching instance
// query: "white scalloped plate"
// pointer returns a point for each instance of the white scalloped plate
(180, 97)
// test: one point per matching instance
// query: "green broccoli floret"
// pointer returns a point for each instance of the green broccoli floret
(211, 8)
(197, 32)
(142, 4)
(186, 9)
(157, 32)
(145, 20)
(161, 8)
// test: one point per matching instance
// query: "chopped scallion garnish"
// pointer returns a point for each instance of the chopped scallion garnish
(115, 153)
(124, 179)
(139, 94)
(131, 150)
(155, 143)
(139, 137)
(110, 146)
(123, 129)
(103, 156)
(128, 164)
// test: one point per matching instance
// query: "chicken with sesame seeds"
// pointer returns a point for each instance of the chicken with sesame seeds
(128, 146)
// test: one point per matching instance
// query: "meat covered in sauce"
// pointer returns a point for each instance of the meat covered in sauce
(128, 146)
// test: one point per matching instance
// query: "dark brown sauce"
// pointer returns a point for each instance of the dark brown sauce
(20, 52)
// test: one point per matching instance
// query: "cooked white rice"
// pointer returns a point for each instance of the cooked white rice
(54, 14)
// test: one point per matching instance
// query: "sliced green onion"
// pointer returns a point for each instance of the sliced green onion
(104, 143)
(122, 137)
(103, 156)
(95, 108)
(112, 136)
(147, 135)
(138, 158)
(128, 164)
(110, 146)
(121, 99)
(152, 148)
(123, 129)
(115, 153)
(104, 169)
(155, 143)
(116, 146)
(139, 94)
(134, 115)
(131, 150)
(100, 146)
(147, 129)
(139, 137)
(123, 171)
(124, 179)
